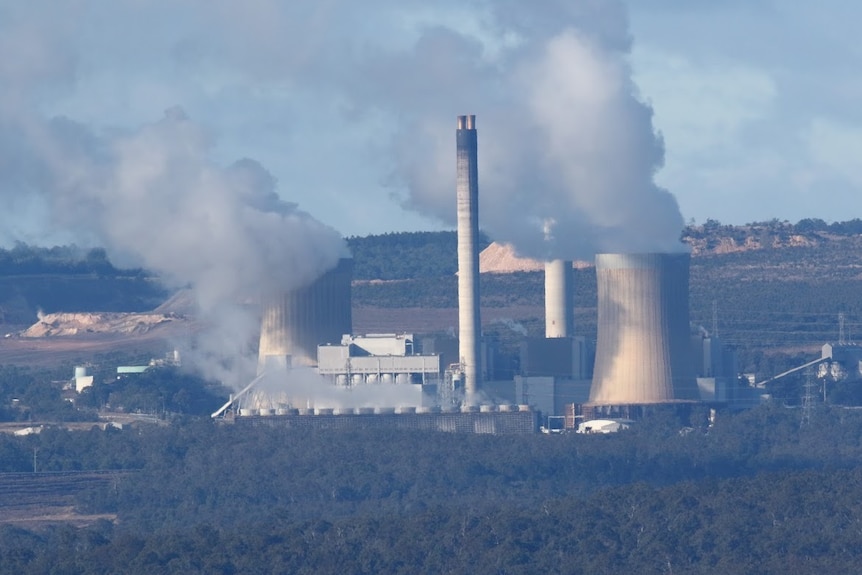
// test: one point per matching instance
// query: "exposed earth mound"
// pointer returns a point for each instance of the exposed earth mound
(500, 258)
(70, 324)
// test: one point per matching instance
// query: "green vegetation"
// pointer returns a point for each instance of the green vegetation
(27, 394)
(159, 390)
(25, 259)
(756, 493)
(68, 278)
(406, 255)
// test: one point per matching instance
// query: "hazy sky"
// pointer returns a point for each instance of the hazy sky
(758, 104)
(756, 101)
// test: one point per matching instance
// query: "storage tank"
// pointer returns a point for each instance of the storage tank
(643, 325)
(293, 324)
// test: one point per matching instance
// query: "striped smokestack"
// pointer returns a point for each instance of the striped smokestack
(559, 299)
(469, 324)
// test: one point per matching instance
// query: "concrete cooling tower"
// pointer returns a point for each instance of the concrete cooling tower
(293, 324)
(643, 330)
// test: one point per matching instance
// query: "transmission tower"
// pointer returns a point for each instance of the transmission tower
(807, 398)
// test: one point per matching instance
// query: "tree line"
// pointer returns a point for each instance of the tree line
(755, 492)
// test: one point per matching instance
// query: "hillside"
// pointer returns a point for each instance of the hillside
(775, 290)
(69, 279)
(771, 287)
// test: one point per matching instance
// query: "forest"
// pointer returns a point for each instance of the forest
(755, 492)
(37, 395)
(24, 259)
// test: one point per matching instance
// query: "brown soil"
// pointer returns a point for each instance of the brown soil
(51, 351)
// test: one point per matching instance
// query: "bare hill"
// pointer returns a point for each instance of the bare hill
(500, 258)
(70, 324)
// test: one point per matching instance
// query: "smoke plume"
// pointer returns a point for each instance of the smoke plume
(567, 150)
(564, 134)
(567, 146)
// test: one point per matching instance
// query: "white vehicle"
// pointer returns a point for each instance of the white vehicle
(554, 424)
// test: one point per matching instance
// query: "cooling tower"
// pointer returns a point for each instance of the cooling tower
(469, 324)
(643, 330)
(559, 299)
(295, 323)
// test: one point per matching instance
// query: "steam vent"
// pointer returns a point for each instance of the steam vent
(643, 330)
(296, 322)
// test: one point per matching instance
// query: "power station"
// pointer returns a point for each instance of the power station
(645, 353)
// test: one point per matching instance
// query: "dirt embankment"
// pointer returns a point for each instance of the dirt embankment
(68, 324)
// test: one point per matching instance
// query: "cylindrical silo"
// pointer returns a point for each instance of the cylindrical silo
(643, 330)
(469, 324)
(559, 299)
(293, 324)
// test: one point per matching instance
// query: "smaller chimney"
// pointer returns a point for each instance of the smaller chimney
(559, 299)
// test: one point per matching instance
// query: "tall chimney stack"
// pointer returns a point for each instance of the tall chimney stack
(469, 323)
(559, 299)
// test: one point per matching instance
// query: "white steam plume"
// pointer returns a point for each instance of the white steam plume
(564, 135)
(563, 131)
(155, 198)
(152, 196)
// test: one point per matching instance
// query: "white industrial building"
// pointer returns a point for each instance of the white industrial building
(378, 358)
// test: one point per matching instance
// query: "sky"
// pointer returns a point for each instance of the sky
(742, 111)
(757, 103)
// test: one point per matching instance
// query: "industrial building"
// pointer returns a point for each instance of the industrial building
(356, 378)
(556, 369)
(646, 352)
(378, 358)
